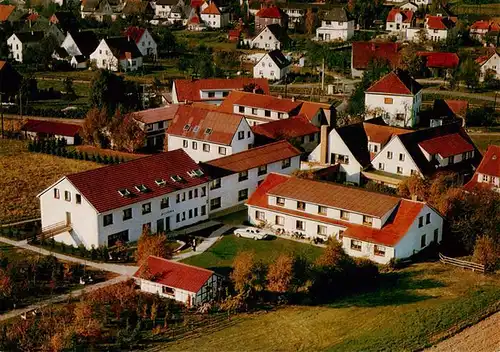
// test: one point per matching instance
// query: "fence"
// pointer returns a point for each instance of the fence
(461, 263)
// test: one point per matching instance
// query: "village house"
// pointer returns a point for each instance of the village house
(99, 207)
(78, 46)
(274, 65)
(163, 8)
(449, 111)
(270, 15)
(435, 28)
(19, 42)
(206, 134)
(481, 30)
(488, 172)
(353, 147)
(396, 97)
(155, 122)
(213, 90)
(271, 37)
(489, 64)
(10, 82)
(98, 9)
(143, 39)
(408, 5)
(36, 129)
(365, 52)
(425, 152)
(335, 25)
(235, 177)
(195, 24)
(138, 9)
(117, 54)
(398, 20)
(369, 225)
(297, 130)
(213, 17)
(296, 13)
(440, 64)
(184, 283)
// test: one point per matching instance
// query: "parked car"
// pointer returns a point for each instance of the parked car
(252, 232)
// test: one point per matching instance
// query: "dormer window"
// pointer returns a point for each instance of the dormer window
(176, 178)
(141, 188)
(196, 129)
(160, 182)
(124, 192)
(208, 131)
(187, 127)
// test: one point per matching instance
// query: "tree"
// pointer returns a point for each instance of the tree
(165, 40)
(280, 274)
(126, 133)
(152, 244)
(469, 72)
(310, 21)
(411, 61)
(94, 127)
(68, 88)
(109, 91)
(247, 274)
(366, 11)
(487, 252)
(333, 255)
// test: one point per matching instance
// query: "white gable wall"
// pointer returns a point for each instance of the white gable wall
(104, 58)
(15, 48)
(493, 64)
(147, 45)
(390, 165)
(397, 110)
(265, 40)
(267, 68)
(70, 46)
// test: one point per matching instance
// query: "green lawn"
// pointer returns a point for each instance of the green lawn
(220, 256)
(482, 142)
(413, 308)
(13, 253)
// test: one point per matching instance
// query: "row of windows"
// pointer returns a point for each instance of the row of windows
(255, 111)
(67, 196)
(205, 147)
(399, 169)
(192, 193)
(216, 203)
(421, 220)
(212, 94)
(191, 213)
(491, 179)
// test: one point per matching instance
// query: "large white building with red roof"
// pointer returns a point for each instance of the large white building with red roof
(396, 97)
(184, 283)
(369, 225)
(399, 20)
(214, 17)
(98, 207)
(488, 172)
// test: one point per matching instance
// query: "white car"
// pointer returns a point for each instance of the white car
(252, 232)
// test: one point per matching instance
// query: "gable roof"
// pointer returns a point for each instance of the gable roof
(279, 32)
(338, 14)
(189, 90)
(396, 82)
(52, 127)
(135, 33)
(439, 22)
(364, 52)
(259, 101)
(30, 37)
(278, 58)
(123, 48)
(490, 165)
(6, 11)
(100, 186)
(407, 15)
(250, 159)
(440, 59)
(447, 145)
(270, 12)
(174, 274)
(309, 109)
(86, 41)
(450, 108)
(489, 26)
(211, 9)
(293, 127)
(191, 122)
(165, 113)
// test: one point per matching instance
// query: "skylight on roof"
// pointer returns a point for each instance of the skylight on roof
(187, 127)
(124, 192)
(160, 182)
(208, 131)
(176, 178)
(196, 129)
(141, 188)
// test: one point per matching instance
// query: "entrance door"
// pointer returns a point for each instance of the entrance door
(159, 226)
(68, 218)
(167, 223)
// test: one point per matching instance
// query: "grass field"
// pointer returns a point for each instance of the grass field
(482, 142)
(23, 175)
(221, 255)
(412, 308)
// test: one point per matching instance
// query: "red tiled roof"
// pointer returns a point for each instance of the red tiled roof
(392, 83)
(189, 90)
(447, 145)
(255, 157)
(485, 25)
(196, 3)
(294, 127)
(223, 126)
(174, 274)
(211, 9)
(165, 113)
(52, 127)
(6, 11)
(269, 12)
(490, 165)
(258, 101)
(458, 107)
(234, 33)
(195, 19)
(474, 184)
(310, 108)
(381, 133)
(439, 22)
(100, 186)
(440, 60)
(135, 33)
(364, 52)
(406, 14)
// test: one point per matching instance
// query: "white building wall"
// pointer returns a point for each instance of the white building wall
(389, 106)
(147, 45)
(367, 251)
(493, 64)
(333, 30)
(390, 165)
(104, 58)
(266, 40)
(70, 46)
(162, 11)
(15, 48)
(267, 68)
(179, 295)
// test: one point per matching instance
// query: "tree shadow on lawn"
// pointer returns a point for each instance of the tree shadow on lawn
(391, 289)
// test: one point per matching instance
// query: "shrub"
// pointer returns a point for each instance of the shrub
(486, 252)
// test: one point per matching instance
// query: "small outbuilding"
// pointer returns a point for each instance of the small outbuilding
(35, 129)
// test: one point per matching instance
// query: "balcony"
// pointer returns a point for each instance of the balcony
(55, 229)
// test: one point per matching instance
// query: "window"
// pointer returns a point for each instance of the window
(280, 114)
(206, 147)
(190, 194)
(427, 218)
(243, 176)
(322, 210)
(286, 163)
(399, 170)
(222, 150)
(267, 113)
(379, 250)
(56, 193)
(485, 179)
(107, 220)
(225, 94)
(203, 210)
(272, 73)
(322, 230)
(343, 159)
(196, 192)
(413, 172)
(420, 221)
(241, 109)
(280, 201)
(185, 143)
(381, 166)
(67, 196)
(260, 215)
(450, 160)
(190, 213)
(356, 245)
(280, 220)
(401, 157)
(78, 198)
(169, 291)
(183, 196)
(203, 191)
(211, 94)
(242, 194)
(214, 184)
(215, 203)
(389, 155)
(254, 111)
(160, 125)
(262, 170)
(127, 214)
(388, 101)
(299, 225)
(120, 236)
(301, 205)
(344, 215)
(146, 208)
(367, 220)
(241, 135)
(422, 241)
(178, 217)
(436, 235)
(164, 203)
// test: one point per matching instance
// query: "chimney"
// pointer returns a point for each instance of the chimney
(414, 197)
(323, 142)
(293, 98)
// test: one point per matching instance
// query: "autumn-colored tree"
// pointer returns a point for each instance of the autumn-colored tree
(487, 252)
(280, 274)
(411, 61)
(94, 127)
(126, 133)
(310, 21)
(333, 255)
(152, 244)
(247, 274)
(85, 323)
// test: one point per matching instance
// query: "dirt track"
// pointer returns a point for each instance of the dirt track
(482, 337)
